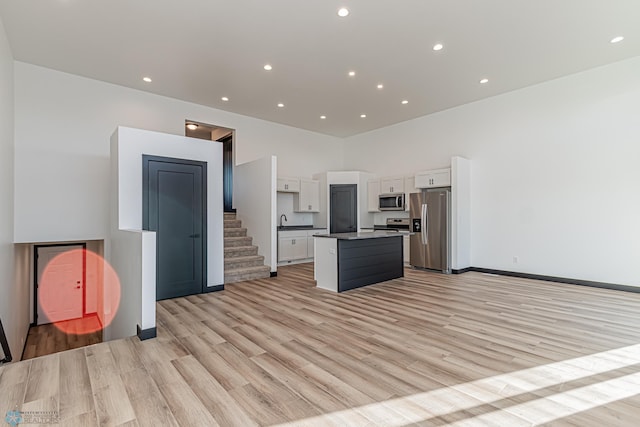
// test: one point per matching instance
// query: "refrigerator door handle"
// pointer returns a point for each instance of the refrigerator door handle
(425, 223)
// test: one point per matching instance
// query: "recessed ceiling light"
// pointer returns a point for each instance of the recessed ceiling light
(192, 126)
(342, 12)
(380, 86)
(352, 73)
(224, 98)
(483, 81)
(281, 105)
(405, 102)
(362, 116)
(268, 67)
(617, 39)
(323, 117)
(147, 79)
(438, 46)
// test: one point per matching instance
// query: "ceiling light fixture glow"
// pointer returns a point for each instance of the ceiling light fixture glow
(192, 126)
(352, 73)
(280, 105)
(147, 79)
(323, 117)
(405, 102)
(437, 46)
(342, 12)
(362, 116)
(483, 81)
(224, 98)
(380, 86)
(268, 67)
(617, 39)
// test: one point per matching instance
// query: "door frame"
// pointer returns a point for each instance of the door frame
(36, 278)
(146, 158)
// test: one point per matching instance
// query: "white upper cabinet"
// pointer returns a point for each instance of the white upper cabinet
(433, 178)
(409, 187)
(373, 191)
(288, 185)
(392, 185)
(308, 197)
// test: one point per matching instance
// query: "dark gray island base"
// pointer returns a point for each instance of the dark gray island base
(346, 261)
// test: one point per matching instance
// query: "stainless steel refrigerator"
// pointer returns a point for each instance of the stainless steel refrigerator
(431, 226)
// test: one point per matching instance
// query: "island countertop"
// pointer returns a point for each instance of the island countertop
(363, 235)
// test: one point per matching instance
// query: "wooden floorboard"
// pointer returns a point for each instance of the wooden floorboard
(426, 350)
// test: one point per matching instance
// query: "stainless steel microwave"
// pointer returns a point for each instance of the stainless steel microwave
(391, 202)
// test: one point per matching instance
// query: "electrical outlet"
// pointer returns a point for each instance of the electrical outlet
(515, 260)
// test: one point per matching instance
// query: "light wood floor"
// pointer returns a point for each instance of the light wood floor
(427, 349)
(51, 338)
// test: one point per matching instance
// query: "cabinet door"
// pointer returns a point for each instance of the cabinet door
(392, 185)
(311, 239)
(406, 244)
(441, 178)
(285, 249)
(292, 245)
(310, 250)
(288, 185)
(434, 178)
(308, 200)
(373, 191)
(409, 187)
(299, 246)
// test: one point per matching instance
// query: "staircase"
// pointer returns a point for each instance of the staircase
(241, 259)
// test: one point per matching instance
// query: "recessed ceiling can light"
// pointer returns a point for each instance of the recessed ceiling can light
(224, 98)
(342, 12)
(483, 81)
(280, 105)
(404, 102)
(380, 86)
(268, 67)
(192, 126)
(362, 116)
(323, 117)
(147, 79)
(438, 46)
(617, 39)
(352, 73)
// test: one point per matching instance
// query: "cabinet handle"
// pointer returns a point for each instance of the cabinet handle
(309, 207)
(286, 186)
(293, 242)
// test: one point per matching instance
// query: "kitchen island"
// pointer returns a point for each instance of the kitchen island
(346, 261)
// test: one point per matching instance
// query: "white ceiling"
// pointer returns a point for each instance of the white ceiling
(201, 50)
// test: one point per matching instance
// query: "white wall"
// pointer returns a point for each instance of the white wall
(254, 196)
(129, 245)
(286, 207)
(14, 277)
(554, 172)
(133, 258)
(63, 124)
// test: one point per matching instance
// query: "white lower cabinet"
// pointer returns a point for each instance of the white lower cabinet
(406, 241)
(292, 245)
(296, 244)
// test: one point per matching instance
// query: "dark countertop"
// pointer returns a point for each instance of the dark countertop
(299, 227)
(363, 235)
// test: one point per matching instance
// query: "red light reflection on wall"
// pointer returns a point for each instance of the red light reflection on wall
(62, 297)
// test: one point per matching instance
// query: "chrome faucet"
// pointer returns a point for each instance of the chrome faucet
(285, 218)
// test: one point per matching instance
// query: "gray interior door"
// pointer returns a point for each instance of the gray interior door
(344, 208)
(174, 206)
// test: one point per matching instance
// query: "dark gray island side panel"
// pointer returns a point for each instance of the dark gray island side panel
(367, 261)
